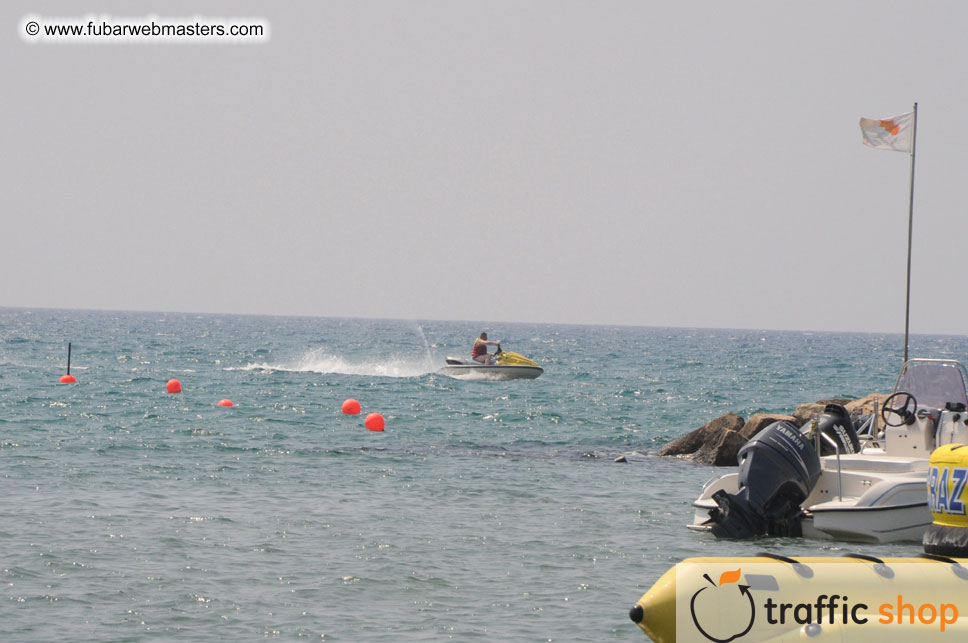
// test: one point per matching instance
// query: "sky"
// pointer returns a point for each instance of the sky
(644, 163)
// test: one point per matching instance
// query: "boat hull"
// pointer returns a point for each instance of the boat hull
(867, 502)
(495, 372)
(895, 523)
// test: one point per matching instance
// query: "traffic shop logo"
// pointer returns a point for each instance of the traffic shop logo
(730, 597)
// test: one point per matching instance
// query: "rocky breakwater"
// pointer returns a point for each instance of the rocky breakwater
(717, 442)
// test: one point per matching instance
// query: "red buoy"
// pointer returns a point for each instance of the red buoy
(225, 403)
(374, 422)
(351, 407)
(173, 386)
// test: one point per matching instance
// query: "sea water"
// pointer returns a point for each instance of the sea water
(485, 510)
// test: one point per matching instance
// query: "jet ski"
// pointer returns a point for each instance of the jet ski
(509, 366)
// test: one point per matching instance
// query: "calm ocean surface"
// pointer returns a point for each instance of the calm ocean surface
(486, 510)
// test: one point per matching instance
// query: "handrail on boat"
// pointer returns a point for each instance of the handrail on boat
(819, 434)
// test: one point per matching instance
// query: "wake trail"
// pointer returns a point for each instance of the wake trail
(324, 363)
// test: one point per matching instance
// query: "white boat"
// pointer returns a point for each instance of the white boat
(830, 480)
(509, 366)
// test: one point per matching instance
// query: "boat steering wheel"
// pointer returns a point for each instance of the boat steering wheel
(906, 410)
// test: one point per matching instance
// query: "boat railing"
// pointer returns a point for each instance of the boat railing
(818, 435)
(868, 433)
(867, 428)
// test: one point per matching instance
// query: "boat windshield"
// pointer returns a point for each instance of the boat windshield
(933, 383)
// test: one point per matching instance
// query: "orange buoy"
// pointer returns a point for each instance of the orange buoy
(225, 403)
(173, 386)
(351, 407)
(374, 422)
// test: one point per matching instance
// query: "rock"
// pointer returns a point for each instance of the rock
(704, 435)
(806, 411)
(759, 421)
(722, 452)
(865, 405)
(634, 456)
(718, 442)
(723, 440)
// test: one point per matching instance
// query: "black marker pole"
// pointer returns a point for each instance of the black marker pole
(68, 379)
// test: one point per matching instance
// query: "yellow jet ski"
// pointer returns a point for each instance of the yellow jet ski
(509, 366)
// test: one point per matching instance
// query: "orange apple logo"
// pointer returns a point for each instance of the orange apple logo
(719, 600)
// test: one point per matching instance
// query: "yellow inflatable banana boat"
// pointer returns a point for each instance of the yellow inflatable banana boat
(770, 598)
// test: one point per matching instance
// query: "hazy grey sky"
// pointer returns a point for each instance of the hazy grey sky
(636, 162)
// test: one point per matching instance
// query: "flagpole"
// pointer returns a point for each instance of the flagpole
(907, 305)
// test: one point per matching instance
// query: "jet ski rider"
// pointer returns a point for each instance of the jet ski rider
(479, 352)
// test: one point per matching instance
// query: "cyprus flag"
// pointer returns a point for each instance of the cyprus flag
(889, 134)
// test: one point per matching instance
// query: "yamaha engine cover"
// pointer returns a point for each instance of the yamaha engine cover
(777, 470)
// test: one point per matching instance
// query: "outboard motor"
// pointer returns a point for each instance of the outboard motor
(777, 470)
(835, 423)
